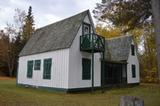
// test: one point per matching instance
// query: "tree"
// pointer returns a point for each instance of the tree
(19, 32)
(108, 32)
(126, 13)
(28, 27)
(156, 21)
(148, 61)
(14, 31)
(15, 36)
(131, 14)
(3, 52)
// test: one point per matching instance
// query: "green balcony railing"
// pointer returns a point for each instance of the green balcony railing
(92, 43)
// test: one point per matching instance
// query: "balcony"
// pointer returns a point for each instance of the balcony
(92, 43)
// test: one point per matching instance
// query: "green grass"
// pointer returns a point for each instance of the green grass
(10, 95)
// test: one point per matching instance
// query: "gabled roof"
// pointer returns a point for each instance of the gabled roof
(55, 36)
(117, 49)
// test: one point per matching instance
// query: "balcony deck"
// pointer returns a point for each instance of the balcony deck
(92, 43)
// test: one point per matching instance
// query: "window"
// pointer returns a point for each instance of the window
(86, 69)
(37, 65)
(133, 50)
(133, 71)
(86, 29)
(29, 69)
(47, 68)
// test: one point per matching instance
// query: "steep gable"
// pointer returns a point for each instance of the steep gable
(117, 49)
(55, 36)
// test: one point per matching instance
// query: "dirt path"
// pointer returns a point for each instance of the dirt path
(6, 78)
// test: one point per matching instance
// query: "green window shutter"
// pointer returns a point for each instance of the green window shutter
(37, 65)
(29, 69)
(47, 68)
(133, 71)
(86, 69)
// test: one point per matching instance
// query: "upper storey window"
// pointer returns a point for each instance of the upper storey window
(86, 29)
(132, 49)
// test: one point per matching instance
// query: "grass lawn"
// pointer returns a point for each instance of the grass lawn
(10, 95)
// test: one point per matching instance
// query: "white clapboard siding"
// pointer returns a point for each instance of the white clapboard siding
(132, 60)
(59, 69)
(75, 63)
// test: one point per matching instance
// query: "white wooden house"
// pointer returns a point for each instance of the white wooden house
(59, 56)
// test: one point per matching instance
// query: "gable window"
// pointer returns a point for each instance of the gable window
(86, 29)
(29, 69)
(86, 69)
(133, 71)
(133, 50)
(37, 65)
(47, 68)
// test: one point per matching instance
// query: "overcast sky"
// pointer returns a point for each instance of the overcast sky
(44, 11)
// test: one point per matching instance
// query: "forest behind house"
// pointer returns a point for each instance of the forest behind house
(113, 18)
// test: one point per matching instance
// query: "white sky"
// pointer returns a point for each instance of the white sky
(44, 11)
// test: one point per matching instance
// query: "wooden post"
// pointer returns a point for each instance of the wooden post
(103, 69)
(131, 101)
(92, 64)
(92, 71)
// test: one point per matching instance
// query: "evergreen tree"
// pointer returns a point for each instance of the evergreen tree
(28, 27)
(17, 35)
